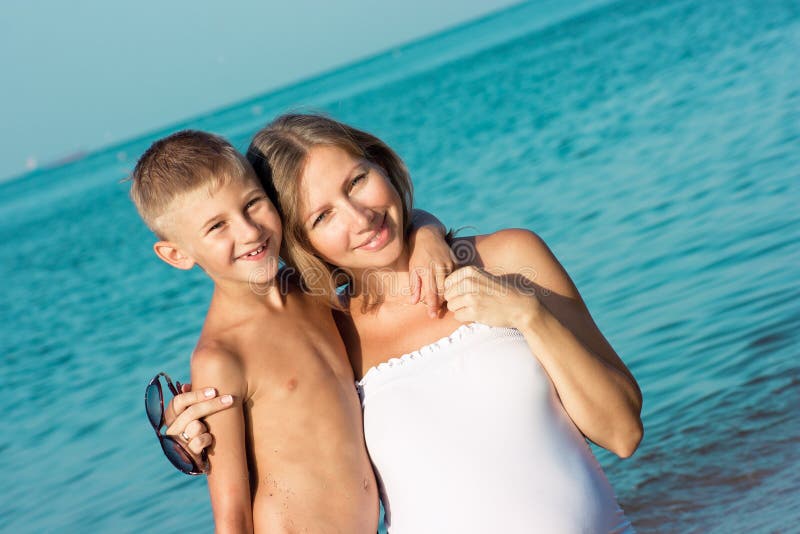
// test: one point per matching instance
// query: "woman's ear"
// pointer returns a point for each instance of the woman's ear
(171, 253)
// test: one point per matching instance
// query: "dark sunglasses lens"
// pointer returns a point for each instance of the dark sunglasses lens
(152, 405)
(178, 456)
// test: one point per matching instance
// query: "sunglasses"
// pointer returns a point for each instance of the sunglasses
(173, 449)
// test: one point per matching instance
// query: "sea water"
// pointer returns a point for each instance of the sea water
(654, 145)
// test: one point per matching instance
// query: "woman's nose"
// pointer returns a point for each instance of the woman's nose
(360, 215)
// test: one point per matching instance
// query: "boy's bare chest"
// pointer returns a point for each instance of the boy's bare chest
(297, 356)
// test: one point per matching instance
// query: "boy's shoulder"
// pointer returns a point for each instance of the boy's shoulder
(229, 330)
(232, 326)
(211, 357)
(218, 364)
(221, 363)
(209, 351)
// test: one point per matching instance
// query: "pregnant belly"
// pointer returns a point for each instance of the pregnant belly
(481, 438)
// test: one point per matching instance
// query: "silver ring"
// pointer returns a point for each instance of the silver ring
(184, 436)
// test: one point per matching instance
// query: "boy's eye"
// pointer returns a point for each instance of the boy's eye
(254, 202)
(215, 226)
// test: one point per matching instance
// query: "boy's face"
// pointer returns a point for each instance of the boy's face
(233, 232)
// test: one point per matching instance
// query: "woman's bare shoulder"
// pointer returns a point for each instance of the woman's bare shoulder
(503, 246)
(522, 251)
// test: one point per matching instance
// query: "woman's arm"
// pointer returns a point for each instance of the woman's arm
(228, 477)
(527, 288)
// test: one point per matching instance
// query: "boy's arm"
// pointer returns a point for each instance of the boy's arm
(228, 477)
(430, 262)
(421, 218)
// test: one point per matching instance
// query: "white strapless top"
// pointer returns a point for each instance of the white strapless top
(467, 435)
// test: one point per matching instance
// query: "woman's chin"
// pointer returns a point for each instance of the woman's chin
(391, 257)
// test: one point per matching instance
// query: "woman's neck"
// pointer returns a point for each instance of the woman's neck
(376, 286)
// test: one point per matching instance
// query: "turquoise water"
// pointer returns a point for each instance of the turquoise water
(654, 145)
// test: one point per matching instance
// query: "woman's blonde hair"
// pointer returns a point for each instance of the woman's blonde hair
(278, 154)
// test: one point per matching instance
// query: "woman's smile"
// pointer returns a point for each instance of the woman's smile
(378, 239)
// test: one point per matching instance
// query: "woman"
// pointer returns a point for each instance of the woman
(473, 427)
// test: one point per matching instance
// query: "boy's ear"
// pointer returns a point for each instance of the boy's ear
(172, 254)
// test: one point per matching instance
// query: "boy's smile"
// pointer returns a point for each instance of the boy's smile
(255, 254)
(232, 231)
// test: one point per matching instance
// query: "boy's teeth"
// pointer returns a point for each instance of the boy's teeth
(257, 251)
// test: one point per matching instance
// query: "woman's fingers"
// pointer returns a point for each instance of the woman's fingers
(194, 428)
(199, 437)
(198, 411)
(198, 443)
(473, 294)
(179, 403)
(463, 309)
(461, 282)
(464, 315)
(459, 275)
(195, 438)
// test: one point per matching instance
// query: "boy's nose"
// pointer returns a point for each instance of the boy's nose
(250, 231)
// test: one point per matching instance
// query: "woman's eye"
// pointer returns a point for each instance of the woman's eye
(215, 226)
(358, 179)
(319, 219)
(253, 202)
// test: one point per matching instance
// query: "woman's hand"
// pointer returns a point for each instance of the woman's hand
(184, 413)
(475, 295)
(430, 262)
(595, 387)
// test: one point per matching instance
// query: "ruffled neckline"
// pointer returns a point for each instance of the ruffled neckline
(456, 336)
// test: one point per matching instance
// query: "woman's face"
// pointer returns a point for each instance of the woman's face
(352, 214)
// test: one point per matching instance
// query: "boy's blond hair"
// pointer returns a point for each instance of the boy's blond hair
(178, 164)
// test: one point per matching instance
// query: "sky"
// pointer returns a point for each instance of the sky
(76, 76)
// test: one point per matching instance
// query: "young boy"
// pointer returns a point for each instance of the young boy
(289, 455)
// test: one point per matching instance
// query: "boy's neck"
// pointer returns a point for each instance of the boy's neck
(246, 295)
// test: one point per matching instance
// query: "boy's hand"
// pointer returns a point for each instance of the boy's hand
(184, 412)
(430, 262)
